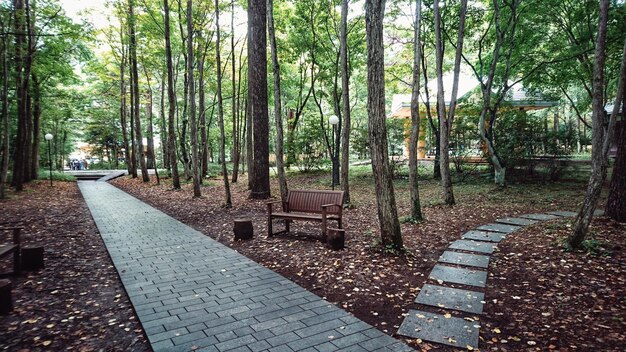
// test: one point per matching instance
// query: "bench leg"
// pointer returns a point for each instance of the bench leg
(269, 227)
(287, 222)
(324, 226)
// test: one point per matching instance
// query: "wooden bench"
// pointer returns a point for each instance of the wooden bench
(14, 247)
(307, 205)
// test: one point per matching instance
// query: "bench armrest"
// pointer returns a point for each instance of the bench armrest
(271, 203)
(16, 233)
(332, 205)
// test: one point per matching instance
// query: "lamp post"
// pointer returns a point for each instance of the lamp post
(49, 137)
(334, 120)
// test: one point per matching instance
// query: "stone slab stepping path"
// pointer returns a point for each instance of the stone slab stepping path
(539, 217)
(481, 261)
(456, 331)
(452, 331)
(451, 298)
(191, 292)
(469, 277)
(562, 213)
(484, 236)
(473, 246)
(516, 221)
(499, 228)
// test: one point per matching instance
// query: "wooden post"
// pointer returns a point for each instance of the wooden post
(32, 258)
(335, 238)
(243, 229)
(6, 302)
(16, 254)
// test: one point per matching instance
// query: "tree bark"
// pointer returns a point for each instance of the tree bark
(171, 97)
(135, 88)
(204, 142)
(282, 180)
(4, 56)
(220, 108)
(600, 137)
(150, 157)
(345, 101)
(616, 202)
(123, 111)
(445, 121)
(195, 157)
(257, 63)
(165, 154)
(34, 159)
(385, 197)
(416, 208)
(21, 87)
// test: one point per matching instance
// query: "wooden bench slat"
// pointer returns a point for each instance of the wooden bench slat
(7, 248)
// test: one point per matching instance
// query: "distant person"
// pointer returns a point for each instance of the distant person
(86, 163)
(81, 165)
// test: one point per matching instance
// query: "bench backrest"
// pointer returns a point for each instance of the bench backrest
(311, 201)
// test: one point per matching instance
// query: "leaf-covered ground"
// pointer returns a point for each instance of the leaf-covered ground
(538, 297)
(77, 301)
(379, 287)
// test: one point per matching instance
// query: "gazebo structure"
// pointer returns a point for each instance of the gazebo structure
(518, 98)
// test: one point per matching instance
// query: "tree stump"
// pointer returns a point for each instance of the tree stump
(6, 302)
(335, 238)
(243, 229)
(32, 258)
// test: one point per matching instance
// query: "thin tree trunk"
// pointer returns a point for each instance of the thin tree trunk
(150, 162)
(257, 63)
(282, 180)
(601, 138)
(416, 207)
(220, 108)
(195, 157)
(235, 98)
(431, 122)
(204, 154)
(385, 197)
(171, 97)
(34, 160)
(4, 167)
(165, 154)
(21, 86)
(135, 93)
(345, 101)
(445, 121)
(616, 202)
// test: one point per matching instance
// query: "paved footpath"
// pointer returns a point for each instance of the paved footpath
(193, 293)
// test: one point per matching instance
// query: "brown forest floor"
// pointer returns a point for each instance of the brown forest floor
(538, 297)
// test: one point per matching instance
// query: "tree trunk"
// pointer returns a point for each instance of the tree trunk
(445, 121)
(4, 56)
(235, 150)
(21, 87)
(34, 160)
(195, 157)
(204, 142)
(385, 197)
(282, 180)
(616, 202)
(600, 137)
(135, 96)
(431, 122)
(165, 154)
(345, 101)
(416, 208)
(220, 108)
(171, 97)
(123, 120)
(150, 162)
(257, 63)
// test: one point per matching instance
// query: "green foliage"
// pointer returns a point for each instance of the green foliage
(56, 176)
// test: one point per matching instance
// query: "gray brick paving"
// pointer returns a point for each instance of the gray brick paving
(451, 298)
(461, 276)
(473, 246)
(499, 228)
(452, 331)
(481, 261)
(483, 236)
(190, 291)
